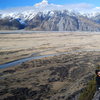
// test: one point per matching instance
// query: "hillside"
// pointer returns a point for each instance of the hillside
(54, 78)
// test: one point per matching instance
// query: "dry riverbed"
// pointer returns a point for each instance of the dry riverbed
(17, 46)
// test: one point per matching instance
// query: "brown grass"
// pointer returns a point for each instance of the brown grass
(16, 46)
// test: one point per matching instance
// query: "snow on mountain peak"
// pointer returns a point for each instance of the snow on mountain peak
(44, 3)
(28, 12)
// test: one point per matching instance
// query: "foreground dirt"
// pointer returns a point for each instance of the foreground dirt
(53, 78)
(17, 46)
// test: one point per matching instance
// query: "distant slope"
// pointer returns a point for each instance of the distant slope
(10, 24)
(52, 21)
(64, 22)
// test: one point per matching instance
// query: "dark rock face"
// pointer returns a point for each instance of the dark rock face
(60, 23)
(36, 21)
(86, 24)
(10, 24)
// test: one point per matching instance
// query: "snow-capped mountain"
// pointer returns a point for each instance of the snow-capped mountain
(29, 12)
(52, 17)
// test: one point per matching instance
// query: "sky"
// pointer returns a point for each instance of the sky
(6, 4)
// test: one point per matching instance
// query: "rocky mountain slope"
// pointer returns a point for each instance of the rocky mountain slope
(51, 17)
(10, 24)
(51, 21)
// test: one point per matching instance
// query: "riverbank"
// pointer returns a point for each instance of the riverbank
(14, 46)
(20, 61)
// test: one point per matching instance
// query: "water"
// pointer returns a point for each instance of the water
(18, 62)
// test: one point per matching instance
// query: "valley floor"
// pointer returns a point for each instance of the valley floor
(16, 46)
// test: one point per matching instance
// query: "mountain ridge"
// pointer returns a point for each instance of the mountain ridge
(56, 20)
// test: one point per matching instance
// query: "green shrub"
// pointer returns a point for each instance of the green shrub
(89, 91)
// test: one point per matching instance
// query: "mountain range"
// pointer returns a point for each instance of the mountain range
(49, 17)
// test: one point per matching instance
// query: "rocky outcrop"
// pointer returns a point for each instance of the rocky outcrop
(97, 96)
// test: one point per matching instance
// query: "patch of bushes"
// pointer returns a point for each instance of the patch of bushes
(89, 91)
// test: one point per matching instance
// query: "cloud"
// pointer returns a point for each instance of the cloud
(45, 6)
(81, 5)
(44, 3)
(98, 8)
